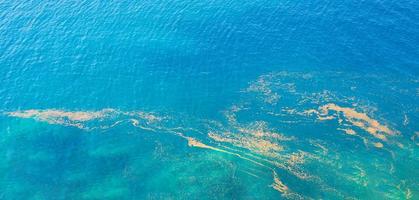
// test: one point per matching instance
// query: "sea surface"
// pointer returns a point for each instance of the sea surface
(209, 99)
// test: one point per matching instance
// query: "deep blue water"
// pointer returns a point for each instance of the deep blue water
(318, 97)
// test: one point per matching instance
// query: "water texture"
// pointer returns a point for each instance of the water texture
(209, 99)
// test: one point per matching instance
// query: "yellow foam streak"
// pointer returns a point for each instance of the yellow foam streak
(80, 118)
(255, 144)
(378, 144)
(360, 120)
(278, 185)
(348, 131)
(254, 138)
(52, 115)
(192, 142)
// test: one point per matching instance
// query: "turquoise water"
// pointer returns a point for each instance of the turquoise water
(209, 99)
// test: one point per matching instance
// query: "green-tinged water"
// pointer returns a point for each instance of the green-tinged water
(209, 100)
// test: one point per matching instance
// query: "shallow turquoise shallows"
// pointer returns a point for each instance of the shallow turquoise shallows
(209, 99)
